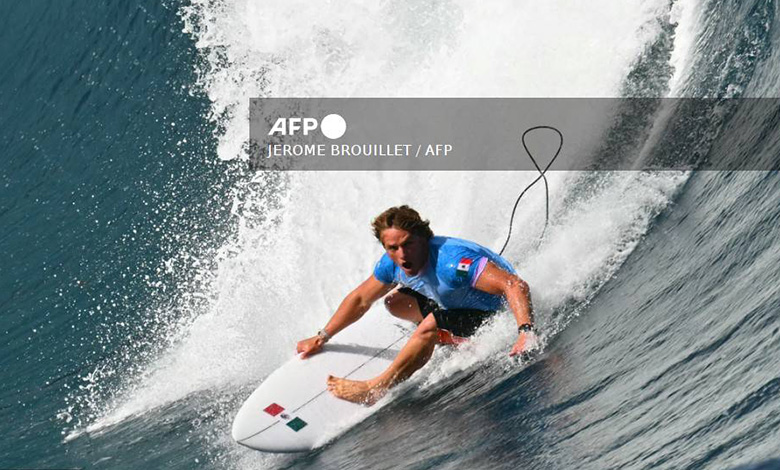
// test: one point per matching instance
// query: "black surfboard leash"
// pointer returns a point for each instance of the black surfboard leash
(541, 176)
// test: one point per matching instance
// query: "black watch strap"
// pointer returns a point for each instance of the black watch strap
(525, 327)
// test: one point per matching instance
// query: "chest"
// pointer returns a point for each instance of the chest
(429, 285)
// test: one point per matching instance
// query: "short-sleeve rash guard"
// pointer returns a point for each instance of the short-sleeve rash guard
(454, 266)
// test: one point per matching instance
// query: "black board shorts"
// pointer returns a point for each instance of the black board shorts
(462, 322)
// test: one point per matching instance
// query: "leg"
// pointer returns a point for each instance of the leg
(408, 307)
(412, 357)
(403, 306)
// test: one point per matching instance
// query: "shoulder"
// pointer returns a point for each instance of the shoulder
(384, 270)
(458, 261)
(450, 248)
(458, 249)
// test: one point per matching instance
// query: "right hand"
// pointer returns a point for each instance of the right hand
(527, 341)
(309, 346)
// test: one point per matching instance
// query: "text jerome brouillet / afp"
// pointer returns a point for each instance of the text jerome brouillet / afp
(358, 150)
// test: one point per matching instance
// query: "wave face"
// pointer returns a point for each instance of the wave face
(152, 279)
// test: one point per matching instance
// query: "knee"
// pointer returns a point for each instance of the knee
(390, 302)
(395, 303)
(426, 331)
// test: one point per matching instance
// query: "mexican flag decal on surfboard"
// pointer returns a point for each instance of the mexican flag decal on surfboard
(463, 267)
(293, 422)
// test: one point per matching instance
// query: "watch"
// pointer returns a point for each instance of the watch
(324, 335)
(525, 327)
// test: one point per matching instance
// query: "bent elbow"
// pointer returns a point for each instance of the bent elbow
(362, 302)
(520, 285)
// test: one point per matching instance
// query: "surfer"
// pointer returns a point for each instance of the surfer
(447, 286)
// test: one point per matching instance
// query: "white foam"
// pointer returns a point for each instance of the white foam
(687, 16)
(458, 48)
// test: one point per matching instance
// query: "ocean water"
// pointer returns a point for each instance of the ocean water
(150, 278)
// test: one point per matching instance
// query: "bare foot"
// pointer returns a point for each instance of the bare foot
(356, 391)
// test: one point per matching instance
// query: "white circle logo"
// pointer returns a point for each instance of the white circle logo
(333, 126)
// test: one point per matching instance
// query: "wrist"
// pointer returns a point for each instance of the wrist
(526, 328)
(323, 336)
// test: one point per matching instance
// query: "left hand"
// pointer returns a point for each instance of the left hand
(526, 342)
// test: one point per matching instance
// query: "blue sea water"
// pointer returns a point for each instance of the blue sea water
(103, 157)
(149, 280)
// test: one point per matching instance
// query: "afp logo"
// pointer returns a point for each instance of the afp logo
(332, 126)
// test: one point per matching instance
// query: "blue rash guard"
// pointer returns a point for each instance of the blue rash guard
(453, 268)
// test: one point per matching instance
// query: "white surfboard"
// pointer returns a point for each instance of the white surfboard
(292, 410)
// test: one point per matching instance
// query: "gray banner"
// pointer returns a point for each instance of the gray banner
(485, 134)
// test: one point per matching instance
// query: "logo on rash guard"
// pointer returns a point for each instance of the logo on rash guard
(463, 267)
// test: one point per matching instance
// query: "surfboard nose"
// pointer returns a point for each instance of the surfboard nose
(258, 431)
(243, 425)
(236, 432)
(292, 411)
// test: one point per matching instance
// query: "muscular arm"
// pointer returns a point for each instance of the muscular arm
(496, 281)
(354, 305)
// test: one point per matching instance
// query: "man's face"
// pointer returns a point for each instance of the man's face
(408, 251)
